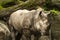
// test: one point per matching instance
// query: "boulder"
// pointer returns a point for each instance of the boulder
(55, 27)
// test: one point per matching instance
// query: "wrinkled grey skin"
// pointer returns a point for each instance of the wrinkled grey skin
(29, 22)
(4, 31)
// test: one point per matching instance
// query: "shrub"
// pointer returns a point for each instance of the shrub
(54, 12)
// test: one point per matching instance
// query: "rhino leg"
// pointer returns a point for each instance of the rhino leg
(12, 33)
(35, 35)
(26, 35)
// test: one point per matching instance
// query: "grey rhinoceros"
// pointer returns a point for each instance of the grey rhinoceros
(29, 22)
(4, 31)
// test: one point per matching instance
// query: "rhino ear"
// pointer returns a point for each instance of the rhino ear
(40, 13)
(39, 10)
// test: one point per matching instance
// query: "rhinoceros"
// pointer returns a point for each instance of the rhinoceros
(33, 20)
(4, 31)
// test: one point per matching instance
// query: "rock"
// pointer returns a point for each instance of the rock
(55, 27)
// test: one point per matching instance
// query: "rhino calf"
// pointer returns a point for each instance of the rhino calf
(4, 31)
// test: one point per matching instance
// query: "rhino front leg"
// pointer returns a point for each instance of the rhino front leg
(26, 35)
(12, 33)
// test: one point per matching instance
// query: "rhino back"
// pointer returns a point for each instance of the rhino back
(21, 19)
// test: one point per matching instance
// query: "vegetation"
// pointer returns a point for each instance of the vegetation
(54, 12)
(1, 7)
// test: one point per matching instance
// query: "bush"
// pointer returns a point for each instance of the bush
(54, 12)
